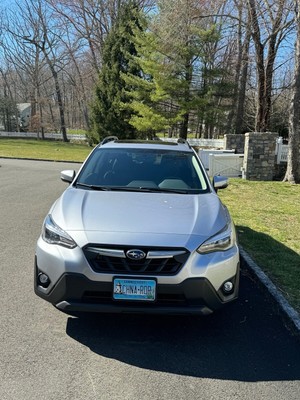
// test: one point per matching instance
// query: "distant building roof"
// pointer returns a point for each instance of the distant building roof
(23, 106)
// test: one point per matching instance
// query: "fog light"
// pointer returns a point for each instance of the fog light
(44, 280)
(228, 287)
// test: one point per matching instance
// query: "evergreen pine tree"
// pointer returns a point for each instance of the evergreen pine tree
(152, 92)
(109, 117)
(172, 55)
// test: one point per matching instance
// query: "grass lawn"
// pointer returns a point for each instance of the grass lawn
(43, 149)
(267, 217)
(266, 214)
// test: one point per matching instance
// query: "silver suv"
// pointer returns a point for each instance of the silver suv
(139, 229)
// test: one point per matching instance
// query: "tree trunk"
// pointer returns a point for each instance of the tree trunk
(236, 115)
(265, 68)
(188, 79)
(184, 126)
(59, 100)
(293, 163)
(239, 121)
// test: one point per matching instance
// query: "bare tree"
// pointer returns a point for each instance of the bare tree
(8, 106)
(92, 20)
(78, 75)
(270, 23)
(89, 21)
(29, 64)
(47, 42)
(236, 120)
(34, 27)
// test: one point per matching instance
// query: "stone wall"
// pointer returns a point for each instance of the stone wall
(234, 142)
(259, 159)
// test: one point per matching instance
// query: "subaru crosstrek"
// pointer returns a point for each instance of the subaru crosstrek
(139, 229)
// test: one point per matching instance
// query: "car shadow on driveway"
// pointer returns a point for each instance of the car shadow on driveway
(247, 341)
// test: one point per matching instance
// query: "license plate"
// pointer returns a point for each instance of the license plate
(134, 289)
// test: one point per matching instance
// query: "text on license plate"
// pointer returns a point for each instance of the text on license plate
(134, 289)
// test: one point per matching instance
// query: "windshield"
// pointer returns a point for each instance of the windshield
(145, 169)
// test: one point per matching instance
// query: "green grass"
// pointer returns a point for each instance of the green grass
(77, 132)
(43, 149)
(266, 214)
(267, 217)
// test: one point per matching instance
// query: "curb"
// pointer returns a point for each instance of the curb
(288, 310)
(40, 159)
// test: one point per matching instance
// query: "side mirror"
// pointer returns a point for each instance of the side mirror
(68, 175)
(220, 182)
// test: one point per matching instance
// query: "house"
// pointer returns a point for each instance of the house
(24, 110)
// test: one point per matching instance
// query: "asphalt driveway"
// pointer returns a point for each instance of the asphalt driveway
(246, 351)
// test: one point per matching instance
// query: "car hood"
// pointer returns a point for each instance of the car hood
(116, 215)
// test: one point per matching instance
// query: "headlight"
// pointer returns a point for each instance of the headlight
(223, 240)
(53, 234)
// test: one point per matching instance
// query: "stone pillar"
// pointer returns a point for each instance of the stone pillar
(259, 156)
(234, 142)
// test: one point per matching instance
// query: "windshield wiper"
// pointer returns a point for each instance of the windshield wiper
(92, 187)
(178, 191)
(132, 189)
(114, 188)
(148, 189)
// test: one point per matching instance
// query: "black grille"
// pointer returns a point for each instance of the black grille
(106, 263)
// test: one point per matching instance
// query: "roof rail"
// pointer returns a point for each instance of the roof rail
(109, 139)
(183, 141)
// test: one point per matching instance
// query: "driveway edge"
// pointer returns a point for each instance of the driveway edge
(288, 310)
(40, 159)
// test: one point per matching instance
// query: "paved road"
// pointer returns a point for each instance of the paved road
(244, 352)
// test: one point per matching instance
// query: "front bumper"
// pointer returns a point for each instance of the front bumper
(74, 292)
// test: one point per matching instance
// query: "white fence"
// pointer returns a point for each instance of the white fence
(213, 143)
(204, 155)
(222, 162)
(229, 165)
(281, 151)
(47, 135)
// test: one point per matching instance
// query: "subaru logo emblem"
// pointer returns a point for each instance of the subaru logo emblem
(135, 254)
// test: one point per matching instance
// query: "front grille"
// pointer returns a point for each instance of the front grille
(157, 261)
